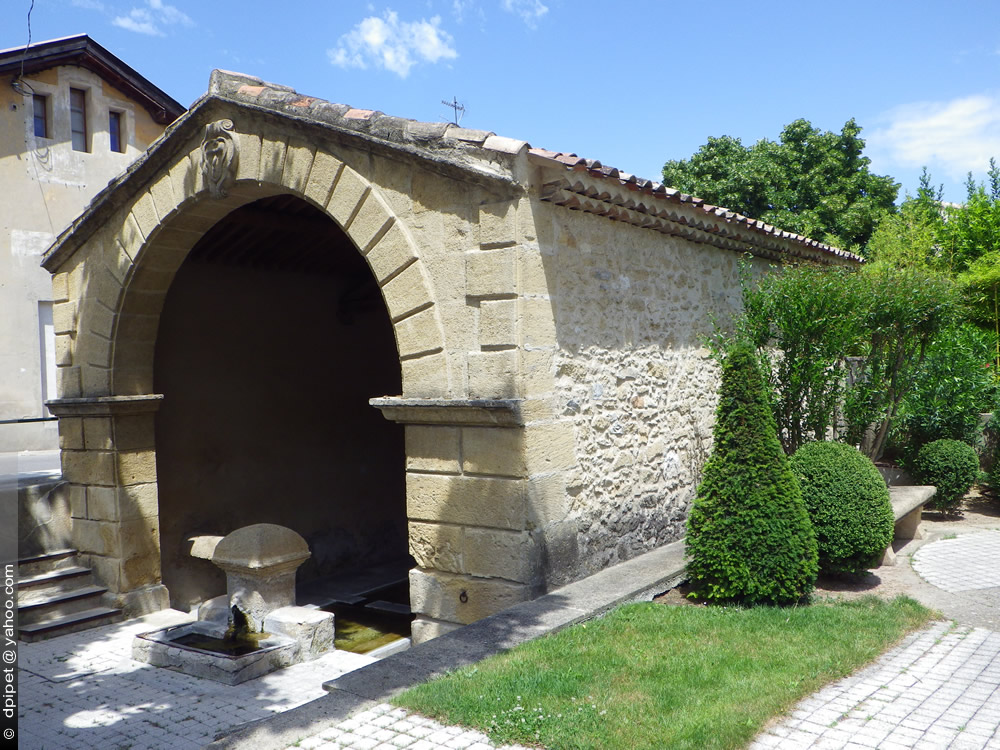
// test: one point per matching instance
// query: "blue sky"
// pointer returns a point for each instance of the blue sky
(629, 83)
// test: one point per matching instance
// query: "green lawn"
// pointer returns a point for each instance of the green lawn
(654, 676)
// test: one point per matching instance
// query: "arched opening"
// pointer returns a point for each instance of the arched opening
(273, 337)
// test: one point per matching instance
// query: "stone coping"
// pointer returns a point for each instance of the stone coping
(105, 406)
(638, 579)
(447, 411)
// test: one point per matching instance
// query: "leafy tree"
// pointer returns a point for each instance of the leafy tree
(951, 389)
(812, 182)
(802, 320)
(809, 323)
(749, 538)
(981, 286)
(907, 239)
(973, 228)
(904, 310)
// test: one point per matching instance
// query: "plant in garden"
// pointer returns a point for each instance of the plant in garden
(951, 388)
(951, 466)
(972, 228)
(749, 538)
(981, 287)
(802, 320)
(848, 503)
(903, 310)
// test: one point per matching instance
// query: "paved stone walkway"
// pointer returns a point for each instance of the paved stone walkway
(387, 728)
(939, 689)
(966, 563)
(82, 691)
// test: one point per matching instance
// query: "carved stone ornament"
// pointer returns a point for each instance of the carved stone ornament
(219, 157)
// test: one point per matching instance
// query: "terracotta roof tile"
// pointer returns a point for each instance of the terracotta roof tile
(426, 130)
(358, 114)
(624, 197)
(466, 134)
(505, 145)
(251, 90)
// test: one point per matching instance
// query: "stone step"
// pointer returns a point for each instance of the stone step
(34, 588)
(71, 623)
(57, 605)
(28, 567)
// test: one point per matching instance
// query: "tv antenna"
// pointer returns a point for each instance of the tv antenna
(459, 109)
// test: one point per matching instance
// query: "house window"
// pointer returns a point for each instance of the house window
(41, 104)
(78, 118)
(115, 131)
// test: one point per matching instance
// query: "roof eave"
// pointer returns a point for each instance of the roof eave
(86, 53)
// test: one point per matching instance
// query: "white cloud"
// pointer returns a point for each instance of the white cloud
(89, 4)
(392, 44)
(956, 136)
(151, 19)
(468, 10)
(530, 11)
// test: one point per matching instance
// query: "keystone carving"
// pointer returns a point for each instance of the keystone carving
(219, 157)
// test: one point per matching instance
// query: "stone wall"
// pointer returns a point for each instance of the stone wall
(632, 310)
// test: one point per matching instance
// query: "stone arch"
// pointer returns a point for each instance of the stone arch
(145, 242)
(110, 323)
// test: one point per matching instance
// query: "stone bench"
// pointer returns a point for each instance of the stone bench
(907, 506)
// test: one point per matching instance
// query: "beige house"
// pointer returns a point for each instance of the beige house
(73, 116)
(397, 338)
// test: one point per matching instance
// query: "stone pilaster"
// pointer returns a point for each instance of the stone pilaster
(108, 457)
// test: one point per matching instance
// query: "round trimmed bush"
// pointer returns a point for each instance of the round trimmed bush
(848, 503)
(951, 466)
(749, 539)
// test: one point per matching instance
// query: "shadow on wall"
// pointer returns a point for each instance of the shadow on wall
(631, 311)
(267, 353)
(44, 522)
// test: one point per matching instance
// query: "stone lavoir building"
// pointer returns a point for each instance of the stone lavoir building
(396, 338)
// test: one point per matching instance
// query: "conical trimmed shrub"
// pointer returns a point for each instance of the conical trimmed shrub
(749, 538)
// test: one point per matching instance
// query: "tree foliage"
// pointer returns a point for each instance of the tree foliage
(809, 323)
(904, 310)
(951, 389)
(802, 321)
(972, 229)
(812, 182)
(749, 539)
(981, 287)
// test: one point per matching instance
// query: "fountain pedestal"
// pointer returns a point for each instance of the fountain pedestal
(260, 563)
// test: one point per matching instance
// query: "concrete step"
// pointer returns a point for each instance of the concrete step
(28, 567)
(43, 585)
(71, 623)
(57, 605)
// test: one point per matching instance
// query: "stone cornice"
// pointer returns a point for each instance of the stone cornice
(105, 406)
(673, 213)
(440, 411)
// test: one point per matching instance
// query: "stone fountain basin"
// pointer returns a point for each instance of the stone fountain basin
(159, 649)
